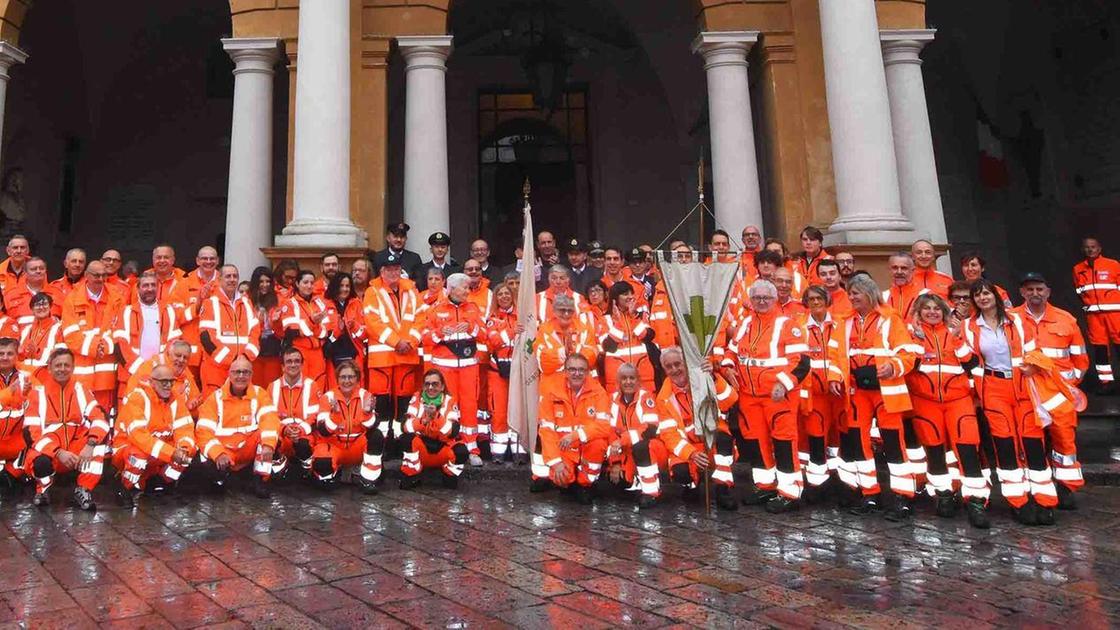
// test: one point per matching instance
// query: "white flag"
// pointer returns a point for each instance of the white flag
(525, 374)
(698, 294)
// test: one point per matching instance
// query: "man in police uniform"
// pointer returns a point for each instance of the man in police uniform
(596, 255)
(440, 245)
(396, 238)
(582, 274)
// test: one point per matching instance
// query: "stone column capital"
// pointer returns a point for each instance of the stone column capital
(425, 51)
(905, 45)
(9, 56)
(721, 48)
(254, 54)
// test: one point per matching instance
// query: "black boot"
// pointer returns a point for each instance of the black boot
(690, 494)
(368, 487)
(867, 505)
(901, 510)
(1026, 514)
(846, 496)
(946, 504)
(408, 482)
(1043, 515)
(260, 487)
(451, 482)
(128, 498)
(540, 485)
(583, 495)
(647, 501)
(724, 499)
(780, 505)
(1067, 500)
(977, 513)
(813, 494)
(84, 499)
(758, 497)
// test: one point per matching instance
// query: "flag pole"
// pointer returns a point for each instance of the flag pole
(707, 445)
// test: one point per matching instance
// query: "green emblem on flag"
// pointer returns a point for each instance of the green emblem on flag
(699, 324)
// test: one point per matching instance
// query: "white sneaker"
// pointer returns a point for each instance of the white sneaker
(476, 461)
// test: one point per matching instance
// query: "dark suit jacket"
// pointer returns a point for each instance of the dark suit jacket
(410, 260)
(422, 272)
(581, 281)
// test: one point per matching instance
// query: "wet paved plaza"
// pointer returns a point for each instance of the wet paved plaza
(495, 555)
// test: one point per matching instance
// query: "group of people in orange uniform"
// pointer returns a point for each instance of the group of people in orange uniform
(817, 371)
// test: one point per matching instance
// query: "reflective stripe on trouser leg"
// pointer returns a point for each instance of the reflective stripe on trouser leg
(1042, 487)
(849, 473)
(371, 466)
(649, 479)
(917, 462)
(1067, 470)
(937, 483)
(133, 471)
(410, 463)
(789, 484)
(279, 465)
(868, 481)
(765, 478)
(975, 487)
(816, 474)
(172, 472)
(42, 484)
(452, 468)
(954, 466)
(1104, 372)
(834, 458)
(90, 472)
(902, 479)
(499, 443)
(722, 471)
(537, 466)
(1013, 486)
(470, 438)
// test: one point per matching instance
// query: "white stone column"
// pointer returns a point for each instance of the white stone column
(426, 199)
(9, 56)
(321, 190)
(249, 203)
(913, 141)
(738, 201)
(859, 115)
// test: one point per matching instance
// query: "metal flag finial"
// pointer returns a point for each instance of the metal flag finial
(526, 188)
(700, 177)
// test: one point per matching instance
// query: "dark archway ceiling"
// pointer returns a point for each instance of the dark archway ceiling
(506, 27)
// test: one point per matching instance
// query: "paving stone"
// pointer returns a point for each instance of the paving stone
(190, 610)
(380, 587)
(275, 573)
(358, 616)
(315, 598)
(276, 616)
(204, 568)
(440, 612)
(115, 601)
(612, 611)
(235, 593)
(551, 616)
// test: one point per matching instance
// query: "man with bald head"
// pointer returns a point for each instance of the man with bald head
(154, 435)
(74, 266)
(480, 251)
(11, 269)
(168, 275)
(90, 314)
(188, 295)
(926, 275)
(237, 427)
(113, 261)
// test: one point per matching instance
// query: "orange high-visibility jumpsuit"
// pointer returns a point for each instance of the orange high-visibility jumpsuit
(841, 307)
(390, 318)
(238, 427)
(583, 415)
(862, 345)
(545, 299)
(297, 406)
(944, 416)
(185, 383)
(678, 431)
(640, 451)
(1059, 338)
(766, 350)
(810, 269)
(9, 327)
(347, 435)
(148, 431)
(350, 322)
(502, 333)
(624, 342)
(87, 326)
(818, 428)
(933, 280)
(455, 355)
(186, 299)
(432, 443)
(64, 417)
(128, 334)
(661, 318)
(901, 299)
(61, 288)
(1007, 405)
(1097, 282)
(36, 343)
(553, 345)
(483, 297)
(307, 335)
(226, 329)
(12, 404)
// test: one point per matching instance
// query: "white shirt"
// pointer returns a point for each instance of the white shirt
(994, 346)
(149, 335)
